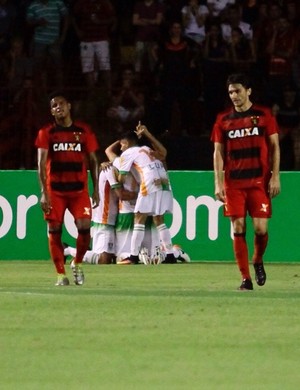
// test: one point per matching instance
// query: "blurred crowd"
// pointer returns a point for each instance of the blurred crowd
(164, 63)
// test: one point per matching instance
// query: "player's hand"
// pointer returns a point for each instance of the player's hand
(141, 130)
(220, 194)
(45, 203)
(274, 186)
(95, 199)
(105, 165)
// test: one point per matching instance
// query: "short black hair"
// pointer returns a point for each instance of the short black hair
(129, 136)
(57, 93)
(239, 78)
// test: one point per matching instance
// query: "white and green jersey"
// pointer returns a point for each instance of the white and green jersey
(130, 184)
(107, 211)
(149, 172)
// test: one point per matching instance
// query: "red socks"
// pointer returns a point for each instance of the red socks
(241, 251)
(241, 254)
(260, 244)
(57, 251)
(82, 244)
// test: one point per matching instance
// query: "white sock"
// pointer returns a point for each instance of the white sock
(70, 251)
(137, 238)
(90, 257)
(165, 237)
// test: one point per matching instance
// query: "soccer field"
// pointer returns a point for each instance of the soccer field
(181, 326)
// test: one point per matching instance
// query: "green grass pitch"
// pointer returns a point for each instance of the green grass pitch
(164, 327)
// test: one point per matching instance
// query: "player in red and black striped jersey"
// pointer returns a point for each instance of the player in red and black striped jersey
(66, 150)
(246, 168)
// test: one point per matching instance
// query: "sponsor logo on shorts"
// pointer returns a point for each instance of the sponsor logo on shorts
(264, 207)
(87, 211)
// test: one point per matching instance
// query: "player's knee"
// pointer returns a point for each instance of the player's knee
(260, 231)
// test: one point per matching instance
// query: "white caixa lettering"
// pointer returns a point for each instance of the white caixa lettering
(67, 147)
(240, 133)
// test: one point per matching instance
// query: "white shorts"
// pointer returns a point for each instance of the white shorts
(90, 50)
(103, 238)
(157, 203)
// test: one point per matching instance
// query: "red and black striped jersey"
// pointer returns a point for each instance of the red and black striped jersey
(245, 139)
(68, 148)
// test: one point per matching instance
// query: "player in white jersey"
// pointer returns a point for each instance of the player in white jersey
(104, 219)
(125, 219)
(155, 195)
(124, 223)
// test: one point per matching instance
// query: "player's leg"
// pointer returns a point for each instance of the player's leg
(55, 221)
(150, 250)
(103, 249)
(83, 238)
(261, 237)
(165, 238)
(69, 250)
(240, 249)
(163, 205)
(57, 252)
(82, 245)
(235, 208)
(89, 257)
(79, 206)
(123, 230)
(260, 209)
(180, 254)
(137, 236)
(143, 207)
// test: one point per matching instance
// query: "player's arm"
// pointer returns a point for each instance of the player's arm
(274, 183)
(218, 160)
(42, 172)
(118, 188)
(123, 194)
(122, 177)
(112, 151)
(159, 149)
(94, 171)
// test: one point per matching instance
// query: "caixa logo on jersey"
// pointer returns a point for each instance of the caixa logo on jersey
(67, 147)
(241, 133)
